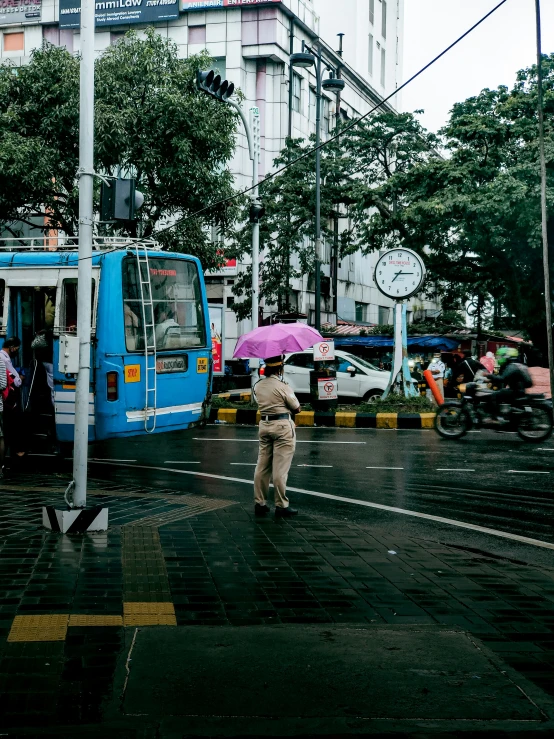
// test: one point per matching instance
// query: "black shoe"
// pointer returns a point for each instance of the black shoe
(285, 512)
(261, 510)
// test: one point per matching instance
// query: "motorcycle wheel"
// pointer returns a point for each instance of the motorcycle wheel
(452, 421)
(536, 427)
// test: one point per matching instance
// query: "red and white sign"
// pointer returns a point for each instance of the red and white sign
(324, 351)
(327, 388)
(215, 4)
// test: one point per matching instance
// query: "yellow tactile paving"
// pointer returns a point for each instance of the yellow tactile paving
(48, 627)
(149, 614)
(102, 620)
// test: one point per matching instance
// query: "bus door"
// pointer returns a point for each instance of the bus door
(183, 357)
(29, 314)
(66, 326)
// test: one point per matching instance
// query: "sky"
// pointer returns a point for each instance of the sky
(488, 57)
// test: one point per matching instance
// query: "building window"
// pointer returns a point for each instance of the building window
(296, 91)
(197, 34)
(361, 312)
(14, 41)
(370, 55)
(312, 105)
(372, 11)
(384, 20)
(384, 315)
(383, 66)
(220, 67)
(116, 36)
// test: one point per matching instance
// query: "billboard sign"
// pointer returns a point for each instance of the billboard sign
(226, 268)
(118, 12)
(215, 4)
(19, 11)
(217, 327)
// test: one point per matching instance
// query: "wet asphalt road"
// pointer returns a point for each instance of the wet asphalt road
(490, 480)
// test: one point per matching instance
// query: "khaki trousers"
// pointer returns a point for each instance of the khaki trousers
(277, 445)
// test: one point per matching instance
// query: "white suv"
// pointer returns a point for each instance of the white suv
(356, 378)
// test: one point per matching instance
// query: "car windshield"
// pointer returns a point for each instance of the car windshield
(365, 364)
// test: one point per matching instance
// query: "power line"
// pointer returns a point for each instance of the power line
(311, 151)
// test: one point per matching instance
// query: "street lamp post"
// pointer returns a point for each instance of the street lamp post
(309, 57)
(212, 84)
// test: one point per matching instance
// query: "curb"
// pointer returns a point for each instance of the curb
(251, 417)
(235, 396)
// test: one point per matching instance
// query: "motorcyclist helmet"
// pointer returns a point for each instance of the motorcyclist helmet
(506, 354)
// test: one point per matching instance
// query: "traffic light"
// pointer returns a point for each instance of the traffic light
(212, 84)
(257, 211)
(119, 200)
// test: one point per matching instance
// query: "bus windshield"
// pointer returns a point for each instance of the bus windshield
(177, 301)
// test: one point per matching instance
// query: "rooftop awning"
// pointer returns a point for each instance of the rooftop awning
(441, 343)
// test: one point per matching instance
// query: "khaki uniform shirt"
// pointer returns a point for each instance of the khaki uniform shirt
(275, 396)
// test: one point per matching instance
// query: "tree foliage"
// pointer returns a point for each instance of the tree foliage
(150, 123)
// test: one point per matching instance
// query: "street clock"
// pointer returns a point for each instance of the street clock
(400, 273)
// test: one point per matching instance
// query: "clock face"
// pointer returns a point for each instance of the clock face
(399, 273)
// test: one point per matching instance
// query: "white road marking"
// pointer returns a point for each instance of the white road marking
(384, 468)
(99, 459)
(367, 504)
(528, 472)
(314, 465)
(545, 449)
(244, 464)
(454, 469)
(169, 461)
(255, 441)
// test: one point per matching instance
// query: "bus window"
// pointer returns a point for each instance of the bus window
(177, 299)
(68, 312)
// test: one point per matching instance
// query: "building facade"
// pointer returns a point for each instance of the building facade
(251, 42)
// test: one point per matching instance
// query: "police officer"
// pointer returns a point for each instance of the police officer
(277, 404)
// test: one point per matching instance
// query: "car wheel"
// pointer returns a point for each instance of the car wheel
(372, 395)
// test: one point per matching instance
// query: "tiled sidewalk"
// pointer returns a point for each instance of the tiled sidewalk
(172, 558)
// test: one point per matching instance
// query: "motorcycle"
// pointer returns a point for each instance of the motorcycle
(530, 414)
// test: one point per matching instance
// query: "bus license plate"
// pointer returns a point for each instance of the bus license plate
(171, 364)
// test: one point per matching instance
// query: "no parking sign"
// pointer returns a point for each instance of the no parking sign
(327, 388)
(324, 351)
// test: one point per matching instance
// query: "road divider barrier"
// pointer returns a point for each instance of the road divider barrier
(251, 417)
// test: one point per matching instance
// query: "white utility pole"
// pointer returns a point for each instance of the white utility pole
(84, 281)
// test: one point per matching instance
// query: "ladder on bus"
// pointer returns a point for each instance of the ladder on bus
(147, 305)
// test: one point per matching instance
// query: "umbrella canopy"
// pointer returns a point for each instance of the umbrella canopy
(281, 338)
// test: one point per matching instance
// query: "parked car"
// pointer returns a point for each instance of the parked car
(356, 379)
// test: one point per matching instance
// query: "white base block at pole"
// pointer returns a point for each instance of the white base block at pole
(76, 520)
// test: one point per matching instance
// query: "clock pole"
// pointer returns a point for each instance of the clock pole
(400, 373)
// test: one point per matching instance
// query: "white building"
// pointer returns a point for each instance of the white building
(251, 41)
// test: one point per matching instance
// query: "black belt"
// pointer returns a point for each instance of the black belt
(275, 417)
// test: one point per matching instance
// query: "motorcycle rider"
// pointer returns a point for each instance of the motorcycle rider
(514, 378)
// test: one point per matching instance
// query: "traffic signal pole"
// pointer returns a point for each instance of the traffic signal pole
(84, 274)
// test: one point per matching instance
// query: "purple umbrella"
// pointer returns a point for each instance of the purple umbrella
(281, 338)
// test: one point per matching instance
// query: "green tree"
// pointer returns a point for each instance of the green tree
(150, 123)
(287, 232)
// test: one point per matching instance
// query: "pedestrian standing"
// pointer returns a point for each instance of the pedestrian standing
(13, 413)
(277, 434)
(437, 368)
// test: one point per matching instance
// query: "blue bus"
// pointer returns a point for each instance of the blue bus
(151, 345)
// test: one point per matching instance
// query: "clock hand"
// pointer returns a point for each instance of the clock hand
(396, 275)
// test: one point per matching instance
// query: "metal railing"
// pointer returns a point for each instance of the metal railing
(71, 243)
